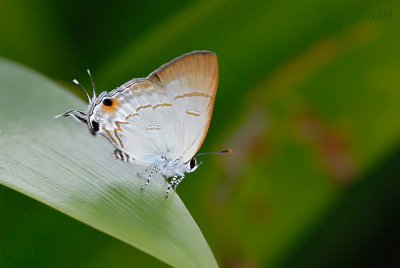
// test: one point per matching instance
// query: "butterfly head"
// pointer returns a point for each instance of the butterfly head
(88, 117)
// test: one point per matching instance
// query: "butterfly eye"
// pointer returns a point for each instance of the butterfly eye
(192, 163)
(108, 102)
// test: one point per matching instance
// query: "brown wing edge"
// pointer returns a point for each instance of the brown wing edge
(216, 75)
(155, 77)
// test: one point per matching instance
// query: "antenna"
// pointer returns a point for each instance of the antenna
(94, 87)
(79, 84)
(221, 152)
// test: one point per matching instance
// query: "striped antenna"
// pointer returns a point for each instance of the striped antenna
(94, 87)
(221, 152)
(79, 84)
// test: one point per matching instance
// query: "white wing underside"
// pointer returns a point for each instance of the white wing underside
(167, 113)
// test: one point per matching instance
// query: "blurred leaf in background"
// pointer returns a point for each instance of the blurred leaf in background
(308, 99)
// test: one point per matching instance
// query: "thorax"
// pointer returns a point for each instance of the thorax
(169, 167)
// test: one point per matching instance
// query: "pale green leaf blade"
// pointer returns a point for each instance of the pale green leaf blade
(58, 162)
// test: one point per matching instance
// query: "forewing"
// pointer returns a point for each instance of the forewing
(191, 81)
(142, 121)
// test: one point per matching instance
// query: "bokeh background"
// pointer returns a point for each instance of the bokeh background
(308, 99)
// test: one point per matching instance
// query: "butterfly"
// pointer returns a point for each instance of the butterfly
(160, 121)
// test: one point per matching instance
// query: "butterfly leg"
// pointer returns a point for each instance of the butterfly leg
(119, 155)
(178, 181)
(149, 178)
(173, 181)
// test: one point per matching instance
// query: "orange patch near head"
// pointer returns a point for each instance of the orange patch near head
(110, 105)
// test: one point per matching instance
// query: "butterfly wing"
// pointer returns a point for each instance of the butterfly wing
(142, 121)
(165, 114)
(191, 81)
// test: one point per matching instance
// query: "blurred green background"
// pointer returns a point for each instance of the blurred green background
(308, 100)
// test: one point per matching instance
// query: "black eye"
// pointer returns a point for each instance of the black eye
(192, 163)
(95, 126)
(107, 102)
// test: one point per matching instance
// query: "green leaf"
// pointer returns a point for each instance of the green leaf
(60, 164)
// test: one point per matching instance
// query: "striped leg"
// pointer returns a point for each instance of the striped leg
(173, 181)
(148, 179)
(178, 181)
(119, 155)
